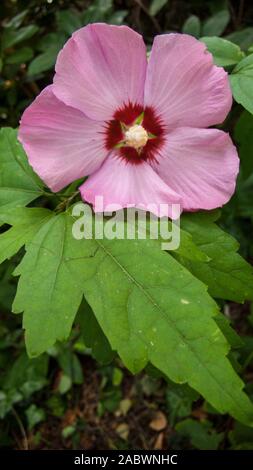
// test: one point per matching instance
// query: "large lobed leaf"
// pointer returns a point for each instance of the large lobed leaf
(25, 224)
(48, 292)
(227, 274)
(152, 307)
(149, 306)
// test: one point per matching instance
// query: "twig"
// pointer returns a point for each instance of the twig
(22, 429)
(65, 204)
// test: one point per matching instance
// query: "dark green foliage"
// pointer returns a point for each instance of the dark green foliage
(78, 393)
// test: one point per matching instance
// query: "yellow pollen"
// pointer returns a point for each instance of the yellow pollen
(136, 137)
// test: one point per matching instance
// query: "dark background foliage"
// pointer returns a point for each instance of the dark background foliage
(65, 398)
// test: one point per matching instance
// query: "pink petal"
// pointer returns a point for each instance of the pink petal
(100, 68)
(201, 165)
(124, 184)
(62, 144)
(183, 85)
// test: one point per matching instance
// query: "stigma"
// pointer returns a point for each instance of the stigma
(136, 136)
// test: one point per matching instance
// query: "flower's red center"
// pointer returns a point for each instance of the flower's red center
(136, 132)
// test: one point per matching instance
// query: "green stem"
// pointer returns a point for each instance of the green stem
(65, 204)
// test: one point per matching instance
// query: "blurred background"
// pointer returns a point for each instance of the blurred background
(76, 396)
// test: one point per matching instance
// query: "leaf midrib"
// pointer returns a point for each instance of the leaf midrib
(154, 303)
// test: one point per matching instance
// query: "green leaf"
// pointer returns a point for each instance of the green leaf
(99, 10)
(65, 384)
(50, 46)
(68, 21)
(26, 222)
(243, 201)
(43, 62)
(232, 337)
(216, 25)
(187, 248)
(134, 278)
(17, 20)
(243, 38)
(118, 16)
(241, 80)
(201, 434)
(68, 431)
(93, 336)
(156, 6)
(18, 183)
(34, 416)
(244, 136)
(11, 37)
(241, 437)
(192, 26)
(179, 399)
(51, 40)
(148, 305)
(117, 376)
(22, 55)
(50, 311)
(227, 275)
(7, 287)
(224, 52)
(7, 400)
(27, 375)
(71, 366)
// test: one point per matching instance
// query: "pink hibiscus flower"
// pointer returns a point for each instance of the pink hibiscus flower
(137, 128)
